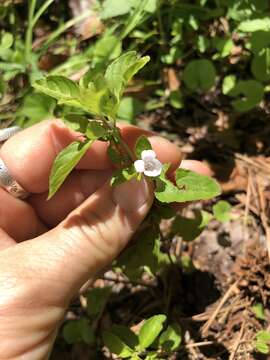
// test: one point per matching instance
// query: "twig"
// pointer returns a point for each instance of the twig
(199, 344)
(226, 296)
(263, 216)
(238, 341)
(128, 282)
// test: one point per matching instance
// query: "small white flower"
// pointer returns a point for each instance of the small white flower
(149, 164)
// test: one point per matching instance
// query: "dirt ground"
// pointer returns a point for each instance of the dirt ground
(213, 303)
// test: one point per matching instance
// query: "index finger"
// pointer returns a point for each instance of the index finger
(29, 155)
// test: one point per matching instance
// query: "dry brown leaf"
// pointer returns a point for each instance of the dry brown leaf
(92, 25)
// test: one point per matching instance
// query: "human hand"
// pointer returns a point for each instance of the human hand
(49, 249)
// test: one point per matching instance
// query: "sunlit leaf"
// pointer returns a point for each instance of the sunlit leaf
(150, 330)
(64, 163)
(122, 70)
(222, 211)
(116, 345)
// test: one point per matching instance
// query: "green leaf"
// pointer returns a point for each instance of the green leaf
(144, 254)
(191, 186)
(150, 330)
(199, 75)
(262, 347)
(107, 48)
(258, 310)
(76, 122)
(122, 70)
(96, 300)
(61, 88)
(260, 65)
(228, 84)
(250, 92)
(196, 186)
(259, 40)
(37, 107)
(176, 99)
(64, 163)
(222, 211)
(114, 155)
(129, 108)
(202, 43)
(126, 335)
(95, 130)
(76, 331)
(171, 338)
(145, 5)
(190, 228)
(6, 40)
(263, 336)
(255, 25)
(142, 144)
(113, 8)
(122, 175)
(116, 345)
(224, 46)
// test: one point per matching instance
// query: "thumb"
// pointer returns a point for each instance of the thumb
(84, 243)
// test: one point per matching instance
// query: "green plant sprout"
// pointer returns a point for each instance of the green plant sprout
(98, 95)
(152, 341)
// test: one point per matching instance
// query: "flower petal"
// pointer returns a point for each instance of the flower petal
(156, 170)
(139, 166)
(148, 154)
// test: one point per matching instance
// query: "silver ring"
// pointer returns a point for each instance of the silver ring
(8, 132)
(10, 184)
(7, 181)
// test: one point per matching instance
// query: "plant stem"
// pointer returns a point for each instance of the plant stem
(40, 11)
(54, 35)
(122, 142)
(29, 32)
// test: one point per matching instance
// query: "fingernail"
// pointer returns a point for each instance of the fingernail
(131, 195)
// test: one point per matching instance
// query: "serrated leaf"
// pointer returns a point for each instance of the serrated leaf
(37, 107)
(199, 75)
(142, 144)
(64, 163)
(222, 211)
(122, 70)
(171, 338)
(60, 88)
(129, 108)
(150, 330)
(116, 345)
(250, 94)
